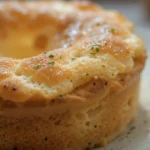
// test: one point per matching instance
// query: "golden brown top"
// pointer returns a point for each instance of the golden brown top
(62, 46)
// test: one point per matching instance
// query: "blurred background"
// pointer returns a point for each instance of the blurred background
(136, 10)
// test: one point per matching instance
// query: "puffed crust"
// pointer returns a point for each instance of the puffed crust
(69, 75)
(91, 42)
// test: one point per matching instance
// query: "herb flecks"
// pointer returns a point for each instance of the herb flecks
(112, 30)
(92, 54)
(73, 58)
(95, 47)
(51, 63)
(86, 74)
(51, 56)
(37, 66)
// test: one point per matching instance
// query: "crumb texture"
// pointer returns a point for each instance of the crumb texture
(81, 129)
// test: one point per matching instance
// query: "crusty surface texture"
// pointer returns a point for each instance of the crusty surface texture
(69, 75)
(83, 42)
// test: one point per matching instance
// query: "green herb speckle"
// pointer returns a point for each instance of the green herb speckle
(87, 74)
(95, 47)
(92, 54)
(37, 66)
(112, 30)
(51, 63)
(73, 58)
(51, 56)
